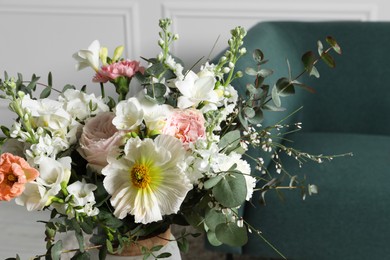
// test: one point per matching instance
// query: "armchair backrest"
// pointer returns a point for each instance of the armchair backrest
(354, 97)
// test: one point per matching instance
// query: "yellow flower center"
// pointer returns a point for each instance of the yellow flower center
(140, 176)
(11, 179)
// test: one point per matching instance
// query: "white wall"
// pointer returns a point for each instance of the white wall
(38, 36)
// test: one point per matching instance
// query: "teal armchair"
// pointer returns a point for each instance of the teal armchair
(350, 112)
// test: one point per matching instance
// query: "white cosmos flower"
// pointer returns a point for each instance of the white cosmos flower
(148, 180)
(89, 57)
(129, 114)
(195, 89)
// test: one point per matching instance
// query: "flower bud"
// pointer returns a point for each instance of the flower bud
(242, 51)
(21, 94)
(117, 53)
(103, 55)
(226, 70)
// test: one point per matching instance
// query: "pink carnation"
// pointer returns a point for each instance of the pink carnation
(15, 172)
(186, 125)
(125, 68)
(99, 136)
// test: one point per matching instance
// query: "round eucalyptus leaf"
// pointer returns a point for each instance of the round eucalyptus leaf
(213, 218)
(212, 238)
(249, 112)
(231, 190)
(231, 234)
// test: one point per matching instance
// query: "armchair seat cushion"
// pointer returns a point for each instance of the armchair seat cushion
(347, 220)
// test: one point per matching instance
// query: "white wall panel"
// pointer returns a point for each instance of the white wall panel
(38, 36)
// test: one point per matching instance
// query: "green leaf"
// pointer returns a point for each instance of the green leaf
(320, 48)
(332, 42)
(156, 248)
(308, 60)
(285, 87)
(212, 182)
(275, 97)
(56, 250)
(66, 87)
(265, 73)
(45, 92)
(102, 253)
(81, 256)
(249, 112)
(258, 55)
(212, 238)
(213, 218)
(231, 234)
(155, 69)
(86, 226)
(50, 80)
(164, 255)
(33, 82)
(183, 245)
(109, 246)
(231, 190)
(314, 72)
(257, 118)
(328, 60)
(273, 108)
(5, 131)
(14, 258)
(230, 140)
(251, 71)
(80, 240)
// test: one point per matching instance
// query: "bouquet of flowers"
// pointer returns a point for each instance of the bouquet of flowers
(119, 169)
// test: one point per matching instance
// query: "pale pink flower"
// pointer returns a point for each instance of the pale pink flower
(99, 136)
(126, 68)
(187, 125)
(15, 172)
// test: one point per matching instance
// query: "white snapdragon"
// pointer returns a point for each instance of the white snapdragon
(176, 67)
(81, 105)
(47, 146)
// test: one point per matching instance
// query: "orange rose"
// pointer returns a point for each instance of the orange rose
(15, 172)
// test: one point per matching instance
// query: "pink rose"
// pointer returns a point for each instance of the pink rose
(99, 136)
(15, 172)
(125, 68)
(186, 125)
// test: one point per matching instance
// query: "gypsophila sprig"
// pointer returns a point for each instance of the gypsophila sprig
(174, 150)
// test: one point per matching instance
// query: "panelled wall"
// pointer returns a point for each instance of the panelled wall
(38, 36)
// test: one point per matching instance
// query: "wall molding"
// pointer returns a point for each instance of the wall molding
(127, 10)
(285, 11)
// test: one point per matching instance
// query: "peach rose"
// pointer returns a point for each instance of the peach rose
(15, 172)
(99, 136)
(187, 125)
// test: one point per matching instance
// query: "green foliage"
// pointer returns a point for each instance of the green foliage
(230, 234)
(231, 190)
